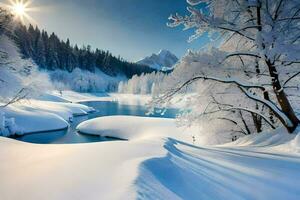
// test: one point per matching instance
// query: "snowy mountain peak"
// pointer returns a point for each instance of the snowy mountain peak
(164, 52)
(164, 60)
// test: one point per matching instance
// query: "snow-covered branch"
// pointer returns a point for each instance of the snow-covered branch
(243, 54)
(221, 80)
(243, 109)
(265, 30)
(291, 78)
(21, 94)
(278, 112)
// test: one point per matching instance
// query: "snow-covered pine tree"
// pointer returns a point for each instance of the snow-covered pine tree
(51, 53)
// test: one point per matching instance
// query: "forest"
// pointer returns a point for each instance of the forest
(51, 53)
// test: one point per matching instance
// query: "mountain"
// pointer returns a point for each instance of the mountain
(164, 60)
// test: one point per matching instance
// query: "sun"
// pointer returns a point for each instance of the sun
(21, 10)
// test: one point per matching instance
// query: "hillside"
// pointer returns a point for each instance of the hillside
(51, 53)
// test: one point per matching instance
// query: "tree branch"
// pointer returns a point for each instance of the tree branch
(289, 79)
(19, 96)
(242, 54)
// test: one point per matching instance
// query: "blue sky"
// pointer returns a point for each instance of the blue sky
(130, 28)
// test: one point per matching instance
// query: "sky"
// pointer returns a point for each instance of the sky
(132, 29)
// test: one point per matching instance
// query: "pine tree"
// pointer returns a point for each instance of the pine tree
(51, 53)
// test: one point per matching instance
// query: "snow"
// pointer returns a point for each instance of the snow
(127, 99)
(140, 127)
(30, 121)
(155, 163)
(189, 172)
(85, 171)
(84, 81)
(51, 97)
(19, 73)
(164, 60)
(52, 113)
(278, 140)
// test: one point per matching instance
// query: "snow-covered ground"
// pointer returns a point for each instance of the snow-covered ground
(155, 163)
(54, 110)
(128, 99)
(46, 113)
(134, 128)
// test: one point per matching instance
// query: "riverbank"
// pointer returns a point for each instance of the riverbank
(152, 165)
(33, 115)
(158, 160)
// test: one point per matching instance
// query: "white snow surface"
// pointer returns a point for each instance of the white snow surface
(164, 60)
(51, 113)
(140, 127)
(127, 99)
(155, 163)
(29, 120)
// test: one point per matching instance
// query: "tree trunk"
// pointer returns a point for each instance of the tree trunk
(257, 120)
(245, 123)
(282, 99)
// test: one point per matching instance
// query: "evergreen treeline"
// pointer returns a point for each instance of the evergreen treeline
(51, 53)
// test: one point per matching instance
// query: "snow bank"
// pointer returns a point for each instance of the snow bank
(126, 99)
(131, 127)
(29, 121)
(38, 116)
(65, 110)
(219, 173)
(51, 97)
(159, 164)
(82, 171)
(271, 138)
(278, 139)
(295, 143)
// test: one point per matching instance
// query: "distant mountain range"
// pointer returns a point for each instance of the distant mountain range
(163, 61)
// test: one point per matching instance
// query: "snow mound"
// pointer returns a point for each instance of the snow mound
(39, 116)
(278, 139)
(272, 138)
(295, 143)
(218, 173)
(33, 121)
(73, 96)
(164, 60)
(130, 127)
(58, 107)
(51, 97)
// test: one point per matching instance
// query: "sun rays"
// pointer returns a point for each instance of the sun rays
(21, 10)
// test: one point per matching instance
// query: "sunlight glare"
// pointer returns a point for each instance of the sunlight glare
(19, 9)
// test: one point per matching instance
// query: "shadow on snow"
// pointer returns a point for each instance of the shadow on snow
(190, 172)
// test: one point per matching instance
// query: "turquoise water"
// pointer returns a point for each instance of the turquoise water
(70, 135)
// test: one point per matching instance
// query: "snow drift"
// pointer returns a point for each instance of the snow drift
(140, 127)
